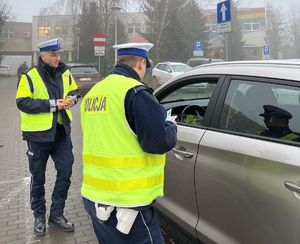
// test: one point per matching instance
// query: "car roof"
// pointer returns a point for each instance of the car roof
(278, 69)
(172, 63)
(79, 65)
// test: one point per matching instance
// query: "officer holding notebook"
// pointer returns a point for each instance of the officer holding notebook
(45, 94)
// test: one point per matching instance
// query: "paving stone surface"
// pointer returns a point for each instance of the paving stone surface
(16, 219)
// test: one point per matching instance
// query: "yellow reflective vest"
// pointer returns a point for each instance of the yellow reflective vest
(41, 121)
(116, 171)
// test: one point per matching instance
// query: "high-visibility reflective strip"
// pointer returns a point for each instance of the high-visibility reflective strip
(123, 185)
(124, 162)
(123, 199)
(290, 137)
(117, 174)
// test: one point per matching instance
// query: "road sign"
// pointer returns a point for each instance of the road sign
(99, 39)
(224, 16)
(266, 50)
(198, 50)
(99, 51)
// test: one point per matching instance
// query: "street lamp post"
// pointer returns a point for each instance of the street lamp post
(116, 8)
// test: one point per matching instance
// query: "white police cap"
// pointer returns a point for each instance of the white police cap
(135, 49)
(53, 45)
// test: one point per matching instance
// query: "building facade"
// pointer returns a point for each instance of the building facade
(15, 48)
(253, 23)
(55, 26)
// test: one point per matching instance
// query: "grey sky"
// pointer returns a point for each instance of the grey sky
(23, 10)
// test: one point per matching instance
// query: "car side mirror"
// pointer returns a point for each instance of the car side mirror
(168, 70)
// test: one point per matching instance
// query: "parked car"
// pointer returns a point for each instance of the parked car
(85, 75)
(193, 62)
(4, 70)
(234, 175)
(165, 71)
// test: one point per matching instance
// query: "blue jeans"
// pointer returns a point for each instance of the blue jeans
(38, 154)
(145, 230)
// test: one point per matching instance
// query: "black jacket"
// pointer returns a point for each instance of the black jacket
(146, 117)
(52, 77)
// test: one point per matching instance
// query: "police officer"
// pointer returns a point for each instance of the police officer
(277, 122)
(45, 123)
(125, 138)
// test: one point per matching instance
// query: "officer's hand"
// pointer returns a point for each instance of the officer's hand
(62, 104)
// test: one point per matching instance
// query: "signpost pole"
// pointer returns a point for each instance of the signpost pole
(99, 64)
(226, 46)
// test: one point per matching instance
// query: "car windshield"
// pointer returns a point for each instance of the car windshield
(83, 69)
(180, 68)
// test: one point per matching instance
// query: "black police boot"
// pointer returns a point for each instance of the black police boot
(62, 223)
(39, 228)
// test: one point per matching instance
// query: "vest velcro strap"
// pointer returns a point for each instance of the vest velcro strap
(123, 185)
(124, 162)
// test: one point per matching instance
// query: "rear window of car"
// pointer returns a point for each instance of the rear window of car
(83, 69)
(194, 63)
(263, 109)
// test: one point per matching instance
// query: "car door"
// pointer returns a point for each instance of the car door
(168, 73)
(192, 100)
(248, 172)
(160, 73)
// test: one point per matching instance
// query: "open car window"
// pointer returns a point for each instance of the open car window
(189, 101)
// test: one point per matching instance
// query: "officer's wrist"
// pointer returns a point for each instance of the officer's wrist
(53, 107)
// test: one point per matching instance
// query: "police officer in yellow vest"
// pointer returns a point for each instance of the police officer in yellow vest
(44, 96)
(277, 122)
(125, 138)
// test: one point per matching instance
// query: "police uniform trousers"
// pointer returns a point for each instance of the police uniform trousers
(145, 230)
(38, 154)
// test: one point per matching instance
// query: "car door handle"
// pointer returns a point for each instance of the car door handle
(183, 153)
(292, 186)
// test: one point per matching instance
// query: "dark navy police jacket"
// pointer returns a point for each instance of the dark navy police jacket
(146, 117)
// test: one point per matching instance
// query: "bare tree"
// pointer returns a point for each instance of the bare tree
(274, 30)
(294, 30)
(4, 16)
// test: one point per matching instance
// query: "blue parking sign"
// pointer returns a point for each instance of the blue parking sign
(198, 46)
(266, 50)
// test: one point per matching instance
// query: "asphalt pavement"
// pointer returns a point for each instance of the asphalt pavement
(16, 219)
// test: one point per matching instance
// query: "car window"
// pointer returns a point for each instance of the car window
(159, 66)
(262, 109)
(189, 102)
(83, 69)
(180, 68)
(167, 68)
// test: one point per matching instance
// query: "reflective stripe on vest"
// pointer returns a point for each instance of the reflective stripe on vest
(39, 121)
(290, 137)
(116, 171)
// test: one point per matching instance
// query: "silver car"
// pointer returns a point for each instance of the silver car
(165, 71)
(4, 70)
(234, 175)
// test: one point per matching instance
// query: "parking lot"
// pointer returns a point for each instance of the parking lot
(16, 219)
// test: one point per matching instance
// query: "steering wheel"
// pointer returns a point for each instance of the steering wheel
(195, 113)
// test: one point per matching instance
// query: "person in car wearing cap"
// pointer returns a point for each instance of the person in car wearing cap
(125, 138)
(45, 123)
(277, 122)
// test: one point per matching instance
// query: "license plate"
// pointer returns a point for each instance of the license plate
(85, 79)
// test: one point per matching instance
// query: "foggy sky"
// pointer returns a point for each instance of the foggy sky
(23, 10)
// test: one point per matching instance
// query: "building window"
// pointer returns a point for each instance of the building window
(134, 28)
(44, 30)
(60, 30)
(6, 34)
(247, 27)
